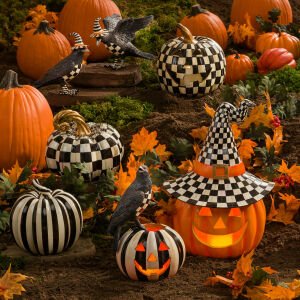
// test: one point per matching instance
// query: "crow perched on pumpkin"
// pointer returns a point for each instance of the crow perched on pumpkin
(118, 34)
(67, 69)
(133, 202)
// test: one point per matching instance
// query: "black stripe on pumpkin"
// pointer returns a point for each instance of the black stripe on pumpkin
(179, 246)
(141, 257)
(23, 224)
(45, 226)
(54, 225)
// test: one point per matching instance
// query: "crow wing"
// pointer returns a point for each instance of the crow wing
(127, 28)
(111, 22)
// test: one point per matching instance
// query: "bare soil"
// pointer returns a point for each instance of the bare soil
(99, 277)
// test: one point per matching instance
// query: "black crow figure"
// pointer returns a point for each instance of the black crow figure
(67, 69)
(117, 37)
(133, 202)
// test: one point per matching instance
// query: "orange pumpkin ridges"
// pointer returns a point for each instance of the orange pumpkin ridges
(261, 8)
(219, 232)
(201, 22)
(40, 49)
(271, 40)
(276, 58)
(79, 16)
(26, 121)
(237, 67)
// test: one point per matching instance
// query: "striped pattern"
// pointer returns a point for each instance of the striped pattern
(152, 259)
(46, 222)
(77, 37)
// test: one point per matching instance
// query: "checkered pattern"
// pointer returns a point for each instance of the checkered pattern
(98, 152)
(145, 203)
(220, 149)
(66, 91)
(191, 69)
(114, 49)
(73, 73)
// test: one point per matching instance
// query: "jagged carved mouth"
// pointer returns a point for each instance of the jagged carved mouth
(153, 272)
(219, 241)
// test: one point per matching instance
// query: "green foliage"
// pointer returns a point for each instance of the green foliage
(181, 148)
(150, 79)
(117, 111)
(4, 221)
(16, 263)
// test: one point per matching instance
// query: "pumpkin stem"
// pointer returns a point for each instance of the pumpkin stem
(63, 119)
(10, 80)
(187, 36)
(44, 27)
(40, 188)
(197, 9)
(233, 51)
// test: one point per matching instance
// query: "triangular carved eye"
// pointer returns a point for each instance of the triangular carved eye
(140, 247)
(235, 212)
(205, 212)
(163, 247)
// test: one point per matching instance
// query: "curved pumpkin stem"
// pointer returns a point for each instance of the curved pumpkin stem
(237, 55)
(197, 9)
(45, 28)
(187, 36)
(40, 188)
(10, 80)
(63, 119)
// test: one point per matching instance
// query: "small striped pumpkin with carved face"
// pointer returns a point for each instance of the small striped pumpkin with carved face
(46, 222)
(151, 254)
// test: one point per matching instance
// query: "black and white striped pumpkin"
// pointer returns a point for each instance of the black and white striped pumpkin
(46, 222)
(97, 146)
(189, 65)
(151, 254)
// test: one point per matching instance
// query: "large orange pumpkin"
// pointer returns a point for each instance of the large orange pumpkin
(271, 40)
(26, 121)
(219, 232)
(237, 67)
(40, 49)
(201, 22)
(261, 8)
(79, 16)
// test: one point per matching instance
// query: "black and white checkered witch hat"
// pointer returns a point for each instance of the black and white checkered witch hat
(219, 178)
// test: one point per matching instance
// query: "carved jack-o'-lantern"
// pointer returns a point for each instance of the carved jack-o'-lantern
(220, 212)
(191, 65)
(215, 232)
(151, 254)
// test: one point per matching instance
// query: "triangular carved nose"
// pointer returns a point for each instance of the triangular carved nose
(220, 224)
(152, 258)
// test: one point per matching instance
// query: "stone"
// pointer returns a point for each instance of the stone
(84, 247)
(97, 75)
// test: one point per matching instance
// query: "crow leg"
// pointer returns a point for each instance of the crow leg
(66, 91)
(138, 224)
(116, 65)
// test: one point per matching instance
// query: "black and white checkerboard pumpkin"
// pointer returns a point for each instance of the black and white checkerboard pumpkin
(46, 222)
(189, 65)
(151, 254)
(97, 146)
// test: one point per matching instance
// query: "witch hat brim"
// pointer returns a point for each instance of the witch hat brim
(230, 192)
(219, 178)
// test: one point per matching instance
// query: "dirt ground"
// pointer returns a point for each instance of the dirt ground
(99, 277)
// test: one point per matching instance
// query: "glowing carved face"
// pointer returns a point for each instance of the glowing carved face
(219, 228)
(152, 258)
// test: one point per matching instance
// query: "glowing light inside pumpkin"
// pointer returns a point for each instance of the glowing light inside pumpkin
(153, 272)
(154, 227)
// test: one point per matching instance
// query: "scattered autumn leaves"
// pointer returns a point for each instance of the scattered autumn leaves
(241, 281)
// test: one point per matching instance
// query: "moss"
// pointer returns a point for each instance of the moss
(117, 111)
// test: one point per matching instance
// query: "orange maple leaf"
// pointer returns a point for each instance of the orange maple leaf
(269, 270)
(217, 279)
(236, 131)
(14, 173)
(242, 273)
(160, 150)
(257, 116)
(245, 149)
(186, 166)
(164, 214)
(209, 110)
(10, 286)
(295, 286)
(143, 142)
(293, 171)
(88, 214)
(197, 150)
(132, 167)
(277, 140)
(123, 180)
(199, 133)
(273, 211)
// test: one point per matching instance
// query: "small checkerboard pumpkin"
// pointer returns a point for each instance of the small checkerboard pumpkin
(191, 65)
(46, 222)
(97, 146)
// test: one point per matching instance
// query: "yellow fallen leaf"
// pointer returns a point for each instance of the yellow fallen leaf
(245, 149)
(276, 141)
(199, 133)
(293, 171)
(88, 214)
(14, 173)
(209, 110)
(162, 153)
(10, 286)
(186, 166)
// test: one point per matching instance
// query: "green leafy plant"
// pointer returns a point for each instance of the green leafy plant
(117, 111)
(4, 221)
